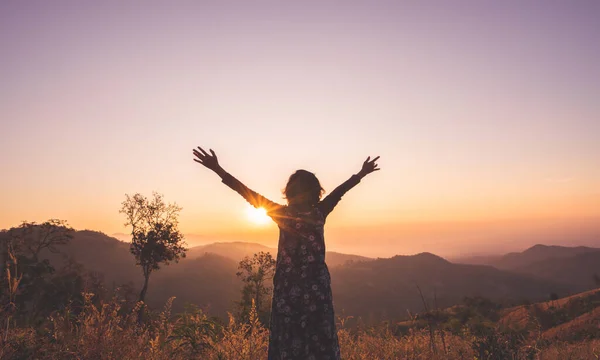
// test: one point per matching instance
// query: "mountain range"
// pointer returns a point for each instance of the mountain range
(373, 289)
(576, 267)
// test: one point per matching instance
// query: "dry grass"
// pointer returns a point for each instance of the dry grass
(382, 344)
(579, 351)
(105, 332)
(586, 325)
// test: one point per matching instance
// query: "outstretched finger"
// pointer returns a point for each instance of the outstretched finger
(368, 157)
(377, 158)
(203, 151)
(199, 161)
(213, 153)
(198, 154)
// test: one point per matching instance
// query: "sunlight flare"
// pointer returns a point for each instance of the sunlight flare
(257, 216)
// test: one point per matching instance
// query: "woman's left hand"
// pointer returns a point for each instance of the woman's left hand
(368, 167)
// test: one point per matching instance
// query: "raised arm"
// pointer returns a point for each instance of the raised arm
(330, 201)
(255, 199)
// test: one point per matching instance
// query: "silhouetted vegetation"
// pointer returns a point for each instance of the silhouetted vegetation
(55, 308)
(32, 287)
(257, 274)
(103, 331)
(155, 237)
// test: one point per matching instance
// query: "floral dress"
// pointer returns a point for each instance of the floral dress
(302, 317)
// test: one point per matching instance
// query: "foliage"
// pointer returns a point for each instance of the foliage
(70, 315)
(497, 345)
(30, 239)
(256, 273)
(243, 340)
(102, 331)
(156, 239)
(31, 287)
(194, 332)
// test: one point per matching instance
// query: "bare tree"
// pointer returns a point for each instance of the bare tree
(156, 239)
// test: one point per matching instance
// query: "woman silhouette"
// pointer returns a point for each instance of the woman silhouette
(302, 318)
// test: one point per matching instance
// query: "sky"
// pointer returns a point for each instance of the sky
(485, 115)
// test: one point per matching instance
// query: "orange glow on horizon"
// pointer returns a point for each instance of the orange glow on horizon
(484, 140)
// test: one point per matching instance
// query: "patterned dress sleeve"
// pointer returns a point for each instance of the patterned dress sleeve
(326, 205)
(274, 210)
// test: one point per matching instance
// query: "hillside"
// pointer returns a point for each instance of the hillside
(583, 327)
(373, 290)
(572, 318)
(101, 253)
(577, 270)
(538, 253)
(208, 281)
(206, 276)
(238, 250)
(232, 250)
(574, 266)
(534, 254)
(387, 288)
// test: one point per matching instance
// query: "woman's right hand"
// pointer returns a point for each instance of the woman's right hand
(206, 159)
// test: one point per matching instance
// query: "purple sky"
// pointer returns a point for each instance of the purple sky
(481, 111)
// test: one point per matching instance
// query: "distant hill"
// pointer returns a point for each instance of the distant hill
(334, 259)
(100, 253)
(577, 270)
(238, 250)
(232, 250)
(206, 276)
(375, 289)
(538, 253)
(208, 281)
(387, 288)
(477, 259)
(575, 266)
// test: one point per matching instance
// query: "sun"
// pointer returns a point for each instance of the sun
(257, 215)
